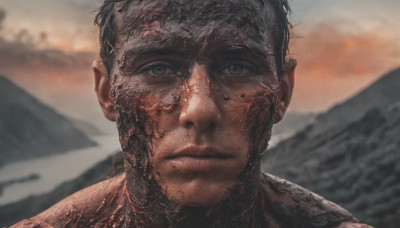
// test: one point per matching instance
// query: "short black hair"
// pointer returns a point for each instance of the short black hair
(105, 19)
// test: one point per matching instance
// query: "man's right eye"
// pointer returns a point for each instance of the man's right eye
(158, 69)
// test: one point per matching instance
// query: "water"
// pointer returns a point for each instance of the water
(54, 170)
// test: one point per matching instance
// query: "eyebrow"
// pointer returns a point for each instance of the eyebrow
(150, 51)
(239, 50)
(178, 48)
(137, 52)
(169, 46)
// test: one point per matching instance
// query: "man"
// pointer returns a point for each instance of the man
(194, 87)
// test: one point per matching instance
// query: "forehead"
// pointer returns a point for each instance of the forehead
(249, 23)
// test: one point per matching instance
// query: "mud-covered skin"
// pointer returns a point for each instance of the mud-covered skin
(197, 39)
(100, 205)
(256, 18)
(106, 205)
(288, 205)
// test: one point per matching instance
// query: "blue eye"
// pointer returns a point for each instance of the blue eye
(236, 70)
(158, 69)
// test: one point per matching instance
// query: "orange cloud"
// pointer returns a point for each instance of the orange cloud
(333, 65)
(61, 80)
(46, 68)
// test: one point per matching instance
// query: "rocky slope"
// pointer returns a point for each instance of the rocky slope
(356, 166)
(291, 123)
(86, 127)
(380, 94)
(30, 129)
(350, 154)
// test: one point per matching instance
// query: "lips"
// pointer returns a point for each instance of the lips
(199, 159)
(200, 152)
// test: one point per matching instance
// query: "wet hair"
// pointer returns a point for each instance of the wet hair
(105, 19)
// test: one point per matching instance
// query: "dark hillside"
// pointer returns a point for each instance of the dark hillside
(356, 166)
(380, 94)
(30, 129)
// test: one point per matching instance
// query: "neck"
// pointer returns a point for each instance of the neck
(149, 207)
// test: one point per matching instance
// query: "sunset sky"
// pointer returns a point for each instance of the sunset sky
(46, 46)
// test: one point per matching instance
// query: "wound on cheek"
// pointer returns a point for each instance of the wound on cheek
(256, 109)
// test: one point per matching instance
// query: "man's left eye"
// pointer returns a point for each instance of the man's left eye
(161, 70)
(236, 70)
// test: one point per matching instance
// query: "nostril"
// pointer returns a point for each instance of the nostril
(184, 120)
(200, 113)
(188, 124)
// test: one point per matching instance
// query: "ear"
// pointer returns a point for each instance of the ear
(286, 89)
(102, 88)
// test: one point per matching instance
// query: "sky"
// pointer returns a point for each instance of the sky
(342, 46)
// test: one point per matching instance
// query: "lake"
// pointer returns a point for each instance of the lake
(54, 169)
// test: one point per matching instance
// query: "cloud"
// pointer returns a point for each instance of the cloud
(326, 52)
(68, 24)
(333, 64)
(50, 74)
(59, 79)
(48, 51)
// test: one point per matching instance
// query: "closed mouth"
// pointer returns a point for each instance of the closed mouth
(199, 159)
(200, 152)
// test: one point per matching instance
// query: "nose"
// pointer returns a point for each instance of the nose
(199, 109)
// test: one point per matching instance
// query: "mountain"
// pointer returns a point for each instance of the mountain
(356, 166)
(14, 212)
(291, 123)
(30, 129)
(86, 127)
(350, 154)
(383, 92)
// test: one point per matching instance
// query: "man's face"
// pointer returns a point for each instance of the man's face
(194, 95)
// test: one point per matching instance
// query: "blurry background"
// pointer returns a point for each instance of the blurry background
(53, 134)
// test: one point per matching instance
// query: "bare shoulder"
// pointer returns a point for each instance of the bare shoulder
(353, 225)
(296, 206)
(82, 206)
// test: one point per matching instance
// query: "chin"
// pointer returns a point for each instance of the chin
(199, 193)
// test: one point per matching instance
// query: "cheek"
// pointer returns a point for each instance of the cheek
(254, 113)
(141, 111)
